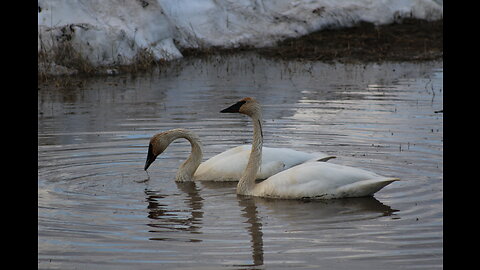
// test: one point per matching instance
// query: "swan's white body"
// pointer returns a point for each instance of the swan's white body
(321, 180)
(228, 165)
(308, 180)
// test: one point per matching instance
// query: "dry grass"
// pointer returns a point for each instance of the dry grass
(143, 61)
(409, 40)
(64, 66)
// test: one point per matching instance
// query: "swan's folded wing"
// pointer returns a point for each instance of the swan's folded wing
(364, 188)
(229, 165)
(270, 168)
(228, 153)
(291, 157)
(319, 180)
(226, 166)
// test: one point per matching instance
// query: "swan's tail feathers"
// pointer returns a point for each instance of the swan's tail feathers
(366, 187)
(323, 159)
(320, 158)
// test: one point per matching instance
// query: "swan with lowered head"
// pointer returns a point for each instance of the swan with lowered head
(320, 180)
(229, 165)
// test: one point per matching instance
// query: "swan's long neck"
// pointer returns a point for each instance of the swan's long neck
(187, 169)
(247, 181)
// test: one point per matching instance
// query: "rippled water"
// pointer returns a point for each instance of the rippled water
(96, 212)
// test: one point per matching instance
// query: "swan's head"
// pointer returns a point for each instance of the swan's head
(248, 106)
(157, 145)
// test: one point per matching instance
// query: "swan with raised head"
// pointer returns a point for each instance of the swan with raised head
(319, 180)
(229, 165)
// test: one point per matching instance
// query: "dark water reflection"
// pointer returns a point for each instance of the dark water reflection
(164, 219)
(98, 209)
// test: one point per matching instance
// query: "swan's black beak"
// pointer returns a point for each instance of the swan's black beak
(235, 108)
(150, 157)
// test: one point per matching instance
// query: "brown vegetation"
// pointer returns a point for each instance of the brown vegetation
(406, 41)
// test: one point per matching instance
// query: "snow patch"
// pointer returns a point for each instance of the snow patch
(109, 32)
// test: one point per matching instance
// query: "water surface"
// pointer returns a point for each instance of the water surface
(96, 212)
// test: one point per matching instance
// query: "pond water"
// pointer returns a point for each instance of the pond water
(95, 211)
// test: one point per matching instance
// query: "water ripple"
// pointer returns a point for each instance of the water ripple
(98, 209)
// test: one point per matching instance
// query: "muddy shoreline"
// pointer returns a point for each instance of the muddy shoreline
(408, 40)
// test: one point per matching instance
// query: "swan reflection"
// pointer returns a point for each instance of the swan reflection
(163, 218)
(249, 211)
(305, 215)
(326, 210)
(293, 212)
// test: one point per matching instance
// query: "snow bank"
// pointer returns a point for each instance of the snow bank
(109, 32)
(106, 31)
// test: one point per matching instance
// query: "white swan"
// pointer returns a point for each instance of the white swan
(308, 180)
(229, 165)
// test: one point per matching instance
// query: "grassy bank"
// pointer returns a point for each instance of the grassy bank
(410, 40)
